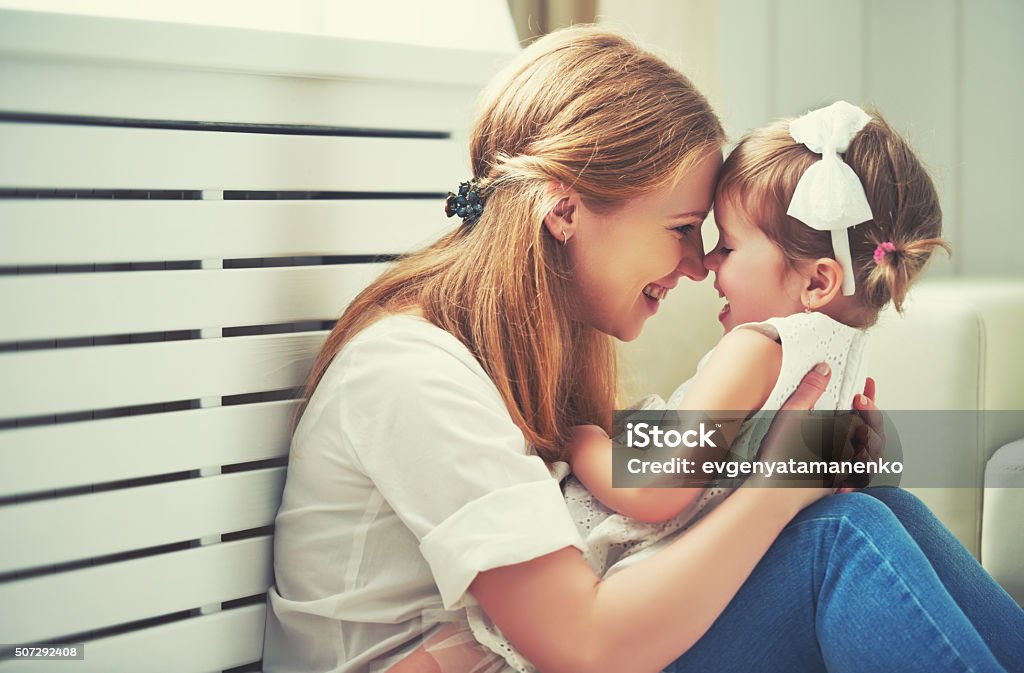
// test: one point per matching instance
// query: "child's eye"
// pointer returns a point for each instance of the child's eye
(724, 250)
(684, 229)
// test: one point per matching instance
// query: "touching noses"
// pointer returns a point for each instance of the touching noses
(712, 260)
(692, 262)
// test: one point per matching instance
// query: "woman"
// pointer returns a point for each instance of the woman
(419, 481)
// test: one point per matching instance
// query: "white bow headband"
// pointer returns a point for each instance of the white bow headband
(829, 195)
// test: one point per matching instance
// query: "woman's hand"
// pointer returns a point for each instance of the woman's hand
(784, 440)
(868, 437)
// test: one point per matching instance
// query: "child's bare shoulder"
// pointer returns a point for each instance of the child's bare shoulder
(748, 346)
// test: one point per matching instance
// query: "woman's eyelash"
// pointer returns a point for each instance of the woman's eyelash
(684, 228)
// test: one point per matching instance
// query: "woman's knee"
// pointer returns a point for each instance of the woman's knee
(863, 511)
(896, 498)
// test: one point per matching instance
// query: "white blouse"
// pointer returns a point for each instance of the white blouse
(407, 477)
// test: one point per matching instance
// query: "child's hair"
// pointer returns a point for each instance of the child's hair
(582, 107)
(761, 174)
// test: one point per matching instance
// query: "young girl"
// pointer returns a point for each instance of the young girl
(823, 220)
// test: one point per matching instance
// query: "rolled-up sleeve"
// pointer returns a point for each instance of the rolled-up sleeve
(432, 432)
(515, 524)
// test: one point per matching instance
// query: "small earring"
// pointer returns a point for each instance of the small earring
(565, 239)
(807, 309)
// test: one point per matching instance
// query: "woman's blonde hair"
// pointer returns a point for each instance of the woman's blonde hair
(581, 107)
(761, 173)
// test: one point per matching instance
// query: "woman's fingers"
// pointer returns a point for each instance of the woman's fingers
(869, 389)
(868, 438)
(785, 440)
(810, 389)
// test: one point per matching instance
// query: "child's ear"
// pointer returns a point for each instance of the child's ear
(562, 219)
(823, 283)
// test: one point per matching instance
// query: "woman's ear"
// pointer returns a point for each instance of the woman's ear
(823, 282)
(562, 219)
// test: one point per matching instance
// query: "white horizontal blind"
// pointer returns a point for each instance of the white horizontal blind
(176, 239)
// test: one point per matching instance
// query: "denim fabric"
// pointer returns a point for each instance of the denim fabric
(864, 582)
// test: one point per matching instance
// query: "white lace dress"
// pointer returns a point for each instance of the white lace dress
(614, 541)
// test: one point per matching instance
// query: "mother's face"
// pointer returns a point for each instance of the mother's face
(626, 261)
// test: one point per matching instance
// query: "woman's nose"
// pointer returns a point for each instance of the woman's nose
(692, 263)
(712, 260)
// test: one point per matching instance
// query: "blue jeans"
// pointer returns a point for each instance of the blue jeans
(865, 582)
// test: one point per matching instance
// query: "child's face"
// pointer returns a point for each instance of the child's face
(750, 271)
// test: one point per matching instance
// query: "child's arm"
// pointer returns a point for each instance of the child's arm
(738, 377)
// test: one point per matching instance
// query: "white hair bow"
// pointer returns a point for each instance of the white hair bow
(829, 195)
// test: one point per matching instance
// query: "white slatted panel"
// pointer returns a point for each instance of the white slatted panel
(91, 232)
(78, 527)
(89, 103)
(79, 304)
(232, 50)
(66, 455)
(106, 90)
(36, 609)
(76, 379)
(197, 645)
(62, 156)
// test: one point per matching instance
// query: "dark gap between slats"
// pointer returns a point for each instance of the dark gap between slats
(293, 393)
(86, 636)
(91, 489)
(266, 396)
(120, 629)
(117, 267)
(319, 260)
(283, 328)
(83, 194)
(246, 534)
(101, 340)
(234, 127)
(92, 562)
(257, 599)
(97, 414)
(195, 264)
(67, 566)
(161, 337)
(251, 465)
(270, 195)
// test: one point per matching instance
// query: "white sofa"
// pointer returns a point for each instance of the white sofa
(960, 347)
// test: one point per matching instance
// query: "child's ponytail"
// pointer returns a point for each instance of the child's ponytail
(894, 266)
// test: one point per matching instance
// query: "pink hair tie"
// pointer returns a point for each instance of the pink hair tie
(882, 249)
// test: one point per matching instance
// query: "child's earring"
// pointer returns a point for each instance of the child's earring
(807, 309)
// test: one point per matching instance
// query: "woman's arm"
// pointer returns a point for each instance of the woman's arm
(563, 618)
(737, 379)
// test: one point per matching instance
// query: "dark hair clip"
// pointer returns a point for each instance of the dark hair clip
(467, 204)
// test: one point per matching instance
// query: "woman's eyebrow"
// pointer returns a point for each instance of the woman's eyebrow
(702, 214)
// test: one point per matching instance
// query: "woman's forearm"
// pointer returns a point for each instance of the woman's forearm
(654, 611)
(561, 617)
